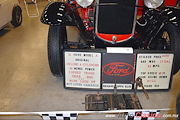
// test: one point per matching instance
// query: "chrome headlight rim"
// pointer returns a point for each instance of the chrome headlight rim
(153, 3)
(84, 3)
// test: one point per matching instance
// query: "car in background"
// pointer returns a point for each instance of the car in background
(10, 11)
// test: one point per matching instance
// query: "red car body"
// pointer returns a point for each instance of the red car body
(84, 14)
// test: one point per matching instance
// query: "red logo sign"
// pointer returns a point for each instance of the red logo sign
(118, 69)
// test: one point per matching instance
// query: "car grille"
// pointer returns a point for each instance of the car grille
(116, 19)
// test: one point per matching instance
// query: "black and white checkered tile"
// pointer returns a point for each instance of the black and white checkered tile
(61, 116)
(143, 115)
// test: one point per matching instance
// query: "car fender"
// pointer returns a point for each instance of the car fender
(54, 14)
(153, 20)
(173, 15)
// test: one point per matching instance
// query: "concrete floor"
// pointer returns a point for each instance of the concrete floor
(26, 83)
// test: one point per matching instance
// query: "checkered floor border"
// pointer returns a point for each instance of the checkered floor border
(140, 115)
(63, 116)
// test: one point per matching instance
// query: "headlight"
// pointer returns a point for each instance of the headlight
(153, 3)
(84, 3)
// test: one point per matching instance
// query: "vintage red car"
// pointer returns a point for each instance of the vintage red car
(143, 24)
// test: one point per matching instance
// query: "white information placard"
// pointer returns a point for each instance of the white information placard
(154, 69)
(82, 70)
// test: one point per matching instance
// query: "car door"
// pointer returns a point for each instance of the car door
(2, 18)
(6, 7)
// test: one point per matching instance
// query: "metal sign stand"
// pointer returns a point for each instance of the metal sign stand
(101, 102)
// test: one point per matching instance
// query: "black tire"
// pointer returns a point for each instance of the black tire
(169, 39)
(16, 16)
(56, 39)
